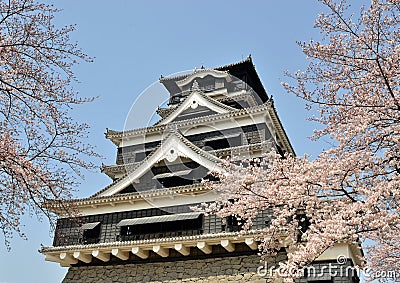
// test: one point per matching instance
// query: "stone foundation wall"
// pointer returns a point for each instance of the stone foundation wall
(226, 269)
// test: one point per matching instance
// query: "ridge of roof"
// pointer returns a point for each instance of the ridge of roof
(220, 68)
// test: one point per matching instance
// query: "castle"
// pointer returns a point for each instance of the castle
(141, 227)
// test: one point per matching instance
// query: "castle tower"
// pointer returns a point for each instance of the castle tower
(141, 227)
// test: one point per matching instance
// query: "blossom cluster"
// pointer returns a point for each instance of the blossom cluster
(349, 193)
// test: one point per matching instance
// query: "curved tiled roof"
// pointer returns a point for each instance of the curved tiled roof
(98, 200)
(150, 241)
(180, 77)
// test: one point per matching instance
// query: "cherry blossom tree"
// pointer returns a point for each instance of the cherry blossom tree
(42, 148)
(349, 193)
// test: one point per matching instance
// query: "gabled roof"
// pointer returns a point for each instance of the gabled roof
(249, 95)
(110, 170)
(224, 67)
(202, 73)
(195, 99)
(244, 67)
(173, 146)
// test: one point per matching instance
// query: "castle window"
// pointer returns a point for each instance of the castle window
(225, 141)
(232, 224)
(175, 181)
(181, 224)
(91, 233)
(179, 174)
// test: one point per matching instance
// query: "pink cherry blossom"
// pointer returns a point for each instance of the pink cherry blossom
(350, 193)
(41, 146)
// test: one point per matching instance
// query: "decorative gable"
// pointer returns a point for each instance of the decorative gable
(173, 147)
(196, 103)
(199, 75)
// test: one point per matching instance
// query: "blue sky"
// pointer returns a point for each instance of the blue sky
(134, 43)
